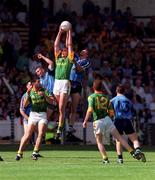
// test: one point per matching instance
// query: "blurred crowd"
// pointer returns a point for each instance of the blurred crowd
(117, 52)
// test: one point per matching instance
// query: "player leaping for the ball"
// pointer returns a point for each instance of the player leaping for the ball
(64, 60)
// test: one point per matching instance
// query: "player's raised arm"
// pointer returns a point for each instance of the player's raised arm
(69, 41)
(46, 59)
(57, 42)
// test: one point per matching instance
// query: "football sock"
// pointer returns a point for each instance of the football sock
(20, 152)
(36, 150)
(105, 158)
(120, 156)
(138, 148)
(60, 128)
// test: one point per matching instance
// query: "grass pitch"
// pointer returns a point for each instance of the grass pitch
(74, 163)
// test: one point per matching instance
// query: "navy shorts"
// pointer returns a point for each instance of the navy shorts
(124, 126)
(75, 87)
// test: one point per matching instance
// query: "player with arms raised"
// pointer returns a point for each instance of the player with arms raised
(64, 60)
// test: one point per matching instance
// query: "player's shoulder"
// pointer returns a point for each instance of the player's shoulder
(125, 98)
(114, 98)
(91, 95)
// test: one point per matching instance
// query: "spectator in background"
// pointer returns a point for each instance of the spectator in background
(22, 61)
(22, 16)
(6, 15)
(127, 68)
(14, 39)
(1, 52)
(9, 59)
(95, 59)
(93, 43)
(88, 8)
(128, 12)
(64, 13)
(106, 69)
(141, 30)
(138, 88)
(147, 95)
(128, 90)
(106, 12)
(127, 80)
(152, 110)
(151, 27)
(80, 26)
(109, 23)
(152, 86)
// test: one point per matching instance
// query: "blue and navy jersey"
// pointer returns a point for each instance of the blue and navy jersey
(76, 57)
(78, 76)
(26, 109)
(47, 81)
(123, 107)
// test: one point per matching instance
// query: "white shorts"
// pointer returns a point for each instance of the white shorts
(103, 126)
(61, 86)
(37, 118)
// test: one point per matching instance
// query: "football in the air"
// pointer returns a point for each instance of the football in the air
(65, 25)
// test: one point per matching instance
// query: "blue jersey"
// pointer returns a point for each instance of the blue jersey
(78, 76)
(122, 106)
(26, 109)
(47, 81)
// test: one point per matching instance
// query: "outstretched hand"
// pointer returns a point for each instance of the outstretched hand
(61, 30)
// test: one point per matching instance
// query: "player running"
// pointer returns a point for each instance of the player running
(123, 109)
(99, 105)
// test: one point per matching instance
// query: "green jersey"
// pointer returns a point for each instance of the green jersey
(99, 104)
(63, 66)
(39, 104)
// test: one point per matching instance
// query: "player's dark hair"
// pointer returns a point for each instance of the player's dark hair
(97, 85)
(120, 89)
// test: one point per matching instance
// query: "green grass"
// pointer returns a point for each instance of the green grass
(74, 163)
